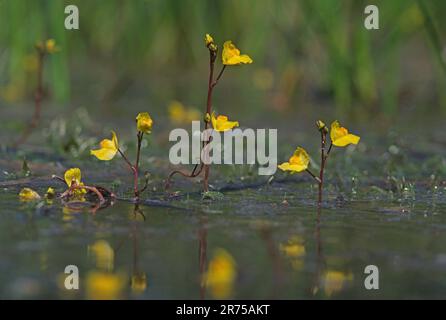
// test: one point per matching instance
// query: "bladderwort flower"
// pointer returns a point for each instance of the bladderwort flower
(28, 194)
(298, 162)
(222, 124)
(339, 136)
(109, 149)
(77, 189)
(144, 122)
(230, 56)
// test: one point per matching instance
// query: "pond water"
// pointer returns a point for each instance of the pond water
(385, 205)
(256, 243)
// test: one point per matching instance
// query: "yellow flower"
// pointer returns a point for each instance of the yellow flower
(340, 136)
(231, 55)
(73, 175)
(27, 194)
(50, 46)
(139, 283)
(104, 255)
(144, 122)
(208, 39)
(298, 162)
(104, 285)
(222, 124)
(179, 114)
(108, 149)
(50, 193)
(221, 274)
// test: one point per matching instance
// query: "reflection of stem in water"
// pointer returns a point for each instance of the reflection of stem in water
(202, 254)
(320, 259)
(265, 233)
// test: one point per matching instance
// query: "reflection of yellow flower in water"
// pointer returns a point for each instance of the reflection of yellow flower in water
(103, 254)
(294, 250)
(28, 194)
(104, 285)
(335, 281)
(221, 274)
(144, 122)
(221, 123)
(139, 283)
(231, 55)
(298, 162)
(340, 136)
(179, 114)
(108, 149)
(68, 214)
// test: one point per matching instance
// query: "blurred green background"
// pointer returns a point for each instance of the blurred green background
(306, 53)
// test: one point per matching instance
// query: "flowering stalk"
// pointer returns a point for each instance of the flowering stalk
(230, 56)
(42, 51)
(300, 160)
(110, 147)
(134, 168)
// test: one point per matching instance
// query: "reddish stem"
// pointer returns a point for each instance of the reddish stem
(321, 172)
(38, 95)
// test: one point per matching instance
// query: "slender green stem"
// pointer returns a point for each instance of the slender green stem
(313, 175)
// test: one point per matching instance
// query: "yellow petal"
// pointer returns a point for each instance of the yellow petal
(286, 166)
(108, 149)
(144, 122)
(222, 124)
(231, 55)
(28, 194)
(340, 136)
(298, 162)
(73, 174)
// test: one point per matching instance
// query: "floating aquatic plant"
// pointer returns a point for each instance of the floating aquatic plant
(110, 147)
(299, 161)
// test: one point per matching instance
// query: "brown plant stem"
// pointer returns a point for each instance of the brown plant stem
(321, 172)
(202, 167)
(38, 95)
(92, 189)
(211, 86)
